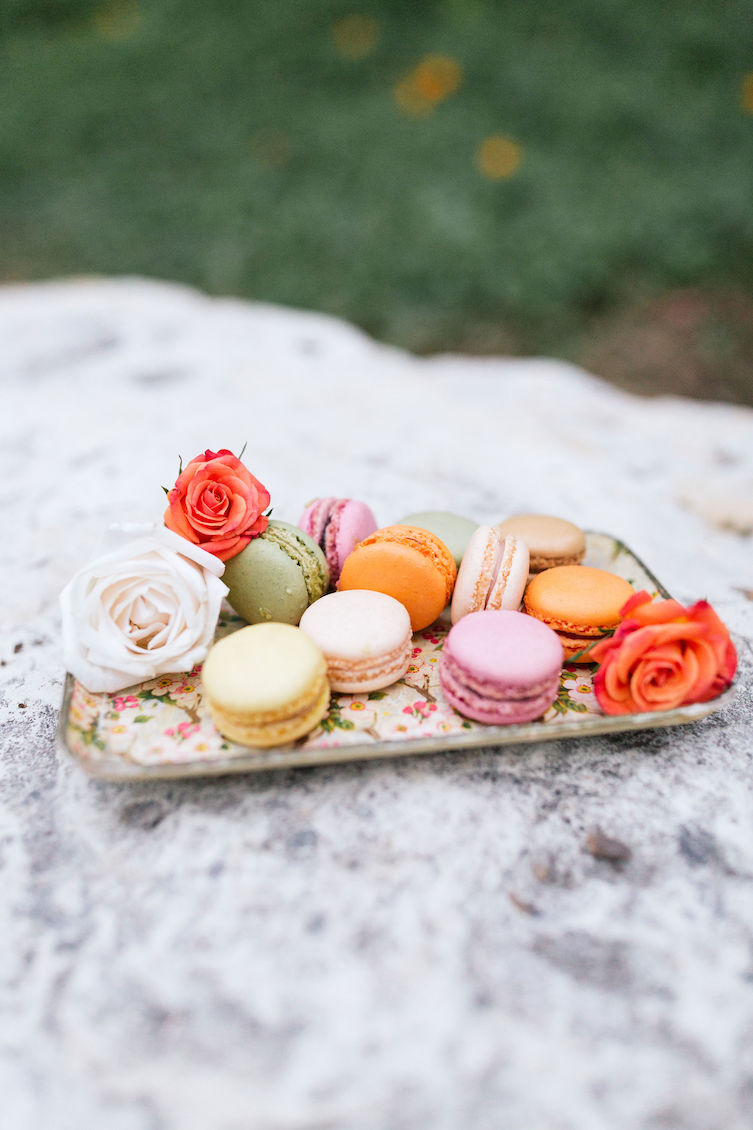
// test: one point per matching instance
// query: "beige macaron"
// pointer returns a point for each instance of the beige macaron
(551, 541)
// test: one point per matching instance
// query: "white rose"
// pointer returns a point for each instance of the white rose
(148, 608)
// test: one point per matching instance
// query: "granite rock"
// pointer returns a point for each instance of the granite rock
(422, 943)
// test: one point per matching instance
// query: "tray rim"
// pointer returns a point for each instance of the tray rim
(122, 771)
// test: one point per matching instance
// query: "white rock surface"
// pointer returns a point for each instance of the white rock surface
(389, 946)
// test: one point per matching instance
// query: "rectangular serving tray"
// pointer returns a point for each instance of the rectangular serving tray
(161, 728)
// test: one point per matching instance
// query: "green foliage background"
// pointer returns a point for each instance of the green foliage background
(231, 146)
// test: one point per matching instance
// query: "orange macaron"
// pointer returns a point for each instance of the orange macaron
(405, 562)
(581, 603)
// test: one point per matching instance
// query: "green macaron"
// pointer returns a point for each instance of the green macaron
(277, 576)
(452, 529)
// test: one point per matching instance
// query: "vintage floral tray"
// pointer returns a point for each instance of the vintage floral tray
(161, 728)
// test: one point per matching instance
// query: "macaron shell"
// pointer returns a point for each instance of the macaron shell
(551, 541)
(453, 529)
(407, 563)
(350, 522)
(577, 598)
(505, 650)
(276, 576)
(262, 668)
(357, 624)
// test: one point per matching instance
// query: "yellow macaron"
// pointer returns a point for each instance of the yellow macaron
(266, 685)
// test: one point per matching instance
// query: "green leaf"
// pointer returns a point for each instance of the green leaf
(243, 449)
(142, 718)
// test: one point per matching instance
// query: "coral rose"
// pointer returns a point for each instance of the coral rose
(663, 656)
(217, 504)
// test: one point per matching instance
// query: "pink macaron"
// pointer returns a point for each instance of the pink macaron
(337, 525)
(500, 667)
(492, 575)
(365, 636)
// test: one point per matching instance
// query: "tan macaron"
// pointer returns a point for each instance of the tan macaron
(551, 541)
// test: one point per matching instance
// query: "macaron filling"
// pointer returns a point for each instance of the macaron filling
(270, 728)
(315, 578)
(316, 519)
(485, 702)
(351, 675)
(504, 557)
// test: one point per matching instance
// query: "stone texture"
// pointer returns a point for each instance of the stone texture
(425, 943)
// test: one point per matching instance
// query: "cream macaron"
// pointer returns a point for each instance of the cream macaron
(492, 575)
(365, 636)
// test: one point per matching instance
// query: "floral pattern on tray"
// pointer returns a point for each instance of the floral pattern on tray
(164, 720)
(163, 725)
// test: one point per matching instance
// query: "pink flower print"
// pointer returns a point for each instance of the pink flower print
(420, 708)
(185, 729)
(127, 702)
(416, 651)
(430, 637)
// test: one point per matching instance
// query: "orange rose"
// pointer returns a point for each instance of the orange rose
(217, 504)
(663, 656)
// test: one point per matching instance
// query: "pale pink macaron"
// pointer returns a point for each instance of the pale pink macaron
(492, 575)
(365, 636)
(337, 525)
(500, 667)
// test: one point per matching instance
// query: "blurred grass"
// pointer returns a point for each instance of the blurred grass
(235, 147)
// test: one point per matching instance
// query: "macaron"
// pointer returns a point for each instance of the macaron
(500, 667)
(365, 636)
(551, 541)
(493, 573)
(407, 563)
(337, 525)
(266, 685)
(580, 603)
(277, 576)
(454, 530)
